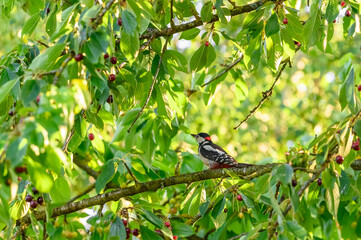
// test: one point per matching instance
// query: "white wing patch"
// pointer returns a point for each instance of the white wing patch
(211, 149)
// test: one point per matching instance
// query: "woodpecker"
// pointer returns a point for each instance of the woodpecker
(213, 155)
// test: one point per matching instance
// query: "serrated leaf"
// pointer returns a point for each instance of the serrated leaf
(297, 230)
(105, 176)
(272, 25)
(283, 173)
(117, 230)
(312, 30)
(47, 59)
(51, 23)
(60, 192)
(332, 198)
(206, 12)
(96, 46)
(190, 34)
(129, 45)
(129, 22)
(181, 229)
(29, 91)
(30, 24)
(332, 10)
(151, 217)
(218, 208)
(6, 88)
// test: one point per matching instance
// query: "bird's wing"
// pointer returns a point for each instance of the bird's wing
(215, 153)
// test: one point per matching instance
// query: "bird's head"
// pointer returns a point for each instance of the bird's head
(201, 137)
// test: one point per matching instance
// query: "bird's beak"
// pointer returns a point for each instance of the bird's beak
(194, 135)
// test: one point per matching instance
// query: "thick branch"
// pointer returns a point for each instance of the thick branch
(155, 33)
(252, 170)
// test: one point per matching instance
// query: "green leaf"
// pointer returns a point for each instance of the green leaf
(312, 30)
(181, 229)
(297, 230)
(39, 176)
(19, 209)
(203, 208)
(151, 217)
(129, 45)
(199, 58)
(129, 22)
(6, 88)
(60, 192)
(283, 173)
(272, 25)
(332, 198)
(241, 89)
(30, 24)
(96, 46)
(105, 176)
(51, 23)
(190, 34)
(47, 59)
(206, 12)
(29, 91)
(218, 208)
(117, 230)
(347, 92)
(357, 128)
(332, 10)
(148, 234)
(222, 12)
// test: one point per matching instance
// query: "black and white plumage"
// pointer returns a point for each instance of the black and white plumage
(213, 155)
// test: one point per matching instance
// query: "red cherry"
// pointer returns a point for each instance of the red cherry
(120, 22)
(158, 231)
(285, 21)
(11, 113)
(20, 169)
(28, 198)
(334, 21)
(294, 183)
(91, 136)
(127, 230)
(78, 57)
(112, 77)
(239, 197)
(106, 55)
(135, 232)
(113, 60)
(359, 88)
(214, 7)
(175, 237)
(33, 204)
(225, 210)
(206, 44)
(348, 13)
(356, 145)
(128, 236)
(110, 99)
(19, 179)
(167, 224)
(40, 200)
(38, 99)
(319, 182)
(47, 10)
(343, 4)
(339, 159)
(125, 222)
(35, 191)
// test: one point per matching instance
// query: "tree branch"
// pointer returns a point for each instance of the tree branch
(152, 86)
(265, 95)
(245, 172)
(62, 68)
(155, 33)
(224, 71)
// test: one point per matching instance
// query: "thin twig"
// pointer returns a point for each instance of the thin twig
(171, 14)
(87, 190)
(44, 230)
(130, 172)
(152, 86)
(66, 143)
(265, 95)
(42, 43)
(62, 68)
(99, 18)
(224, 71)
